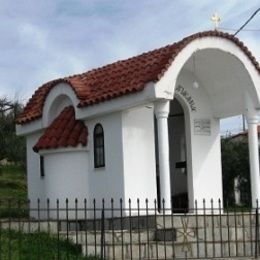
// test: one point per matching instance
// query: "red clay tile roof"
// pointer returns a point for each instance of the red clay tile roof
(64, 131)
(122, 77)
(245, 133)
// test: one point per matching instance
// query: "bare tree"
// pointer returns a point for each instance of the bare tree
(11, 146)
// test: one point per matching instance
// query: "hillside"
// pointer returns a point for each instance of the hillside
(13, 183)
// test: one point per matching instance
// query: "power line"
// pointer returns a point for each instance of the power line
(244, 30)
(251, 17)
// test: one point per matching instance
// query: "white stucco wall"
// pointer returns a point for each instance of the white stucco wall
(139, 155)
(66, 177)
(34, 180)
(204, 151)
(73, 175)
(107, 182)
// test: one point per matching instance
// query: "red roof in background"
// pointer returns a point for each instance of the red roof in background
(245, 133)
(122, 77)
(64, 131)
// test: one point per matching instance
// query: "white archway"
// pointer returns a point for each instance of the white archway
(228, 86)
(58, 98)
(166, 85)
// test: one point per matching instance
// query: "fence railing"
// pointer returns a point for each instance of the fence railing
(64, 229)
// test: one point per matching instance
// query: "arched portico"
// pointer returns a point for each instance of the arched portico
(227, 86)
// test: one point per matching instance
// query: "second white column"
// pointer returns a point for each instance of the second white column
(162, 111)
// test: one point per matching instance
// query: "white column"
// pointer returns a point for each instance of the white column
(254, 158)
(162, 112)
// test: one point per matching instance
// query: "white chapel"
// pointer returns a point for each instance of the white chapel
(147, 127)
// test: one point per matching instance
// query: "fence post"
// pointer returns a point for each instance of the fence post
(122, 228)
(256, 230)
(58, 230)
(102, 242)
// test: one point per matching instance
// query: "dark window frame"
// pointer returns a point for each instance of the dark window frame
(99, 146)
(42, 170)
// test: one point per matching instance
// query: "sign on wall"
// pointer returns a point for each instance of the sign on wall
(186, 95)
(202, 127)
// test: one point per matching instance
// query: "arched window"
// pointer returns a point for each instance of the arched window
(99, 146)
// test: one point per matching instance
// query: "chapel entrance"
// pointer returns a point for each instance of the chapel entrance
(178, 157)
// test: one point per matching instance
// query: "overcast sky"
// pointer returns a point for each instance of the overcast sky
(46, 39)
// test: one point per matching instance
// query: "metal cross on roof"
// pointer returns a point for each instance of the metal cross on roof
(215, 18)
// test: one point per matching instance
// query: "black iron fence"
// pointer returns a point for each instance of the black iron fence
(64, 229)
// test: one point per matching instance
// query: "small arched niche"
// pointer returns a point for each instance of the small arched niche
(58, 98)
(58, 104)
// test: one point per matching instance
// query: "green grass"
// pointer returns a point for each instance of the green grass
(13, 188)
(16, 245)
(13, 183)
